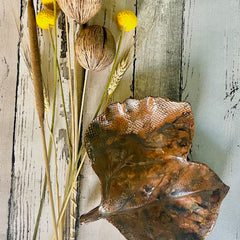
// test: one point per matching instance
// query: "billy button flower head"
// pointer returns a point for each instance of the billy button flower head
(49, 4)
(45, 19)
(126, 19)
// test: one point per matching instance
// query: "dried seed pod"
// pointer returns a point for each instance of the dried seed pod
(95, 48)
(80, 10)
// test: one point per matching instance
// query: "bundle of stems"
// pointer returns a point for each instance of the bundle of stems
(77, 152)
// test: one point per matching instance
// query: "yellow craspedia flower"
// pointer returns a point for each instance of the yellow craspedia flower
(45, 19)
(128, 19)
(49, 4)
(45, 2)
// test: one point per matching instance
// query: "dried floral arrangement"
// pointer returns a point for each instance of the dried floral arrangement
(138, 149)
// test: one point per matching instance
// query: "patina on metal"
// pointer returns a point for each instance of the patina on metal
(150, 191)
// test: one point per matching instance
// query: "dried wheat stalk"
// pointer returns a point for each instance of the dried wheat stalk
(35, 59)
(39, 98)
(117, 76)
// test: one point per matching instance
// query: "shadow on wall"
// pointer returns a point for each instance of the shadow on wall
(158, 82)
(158, 72)
(211, 154)
(205, 148)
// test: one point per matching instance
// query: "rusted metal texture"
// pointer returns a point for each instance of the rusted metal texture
(139, 151)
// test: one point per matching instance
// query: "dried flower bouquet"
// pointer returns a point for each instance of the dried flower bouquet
(93, 49)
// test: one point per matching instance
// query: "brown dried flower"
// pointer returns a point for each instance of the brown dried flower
(80, 10)
(95, 48)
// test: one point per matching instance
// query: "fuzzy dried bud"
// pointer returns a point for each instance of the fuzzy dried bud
(80, 10)
(95, 48)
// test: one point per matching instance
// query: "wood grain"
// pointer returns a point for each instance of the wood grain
(28, 170)
(210, 83)
(157, 71)
(8, 80)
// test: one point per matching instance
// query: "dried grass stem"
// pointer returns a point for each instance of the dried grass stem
(39, 98)
(35, 59)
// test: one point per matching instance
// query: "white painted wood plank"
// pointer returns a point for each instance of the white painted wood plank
(8, 76)
(28, 171)
(211, 66)
(157, 70)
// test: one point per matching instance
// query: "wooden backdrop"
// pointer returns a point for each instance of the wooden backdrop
(192, 54)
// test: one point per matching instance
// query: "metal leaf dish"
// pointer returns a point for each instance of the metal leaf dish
(149, 190)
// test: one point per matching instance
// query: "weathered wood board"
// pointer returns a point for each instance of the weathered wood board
(211, 84)
(191, 54)
(8, 81)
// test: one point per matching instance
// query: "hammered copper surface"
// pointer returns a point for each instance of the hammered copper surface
(138, 149)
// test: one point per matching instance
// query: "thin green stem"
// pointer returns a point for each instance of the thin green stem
(76, 139)
(79, 155)
(82, 103)
(77, 121)
(40, 207)
(75, 97)
(70, 89)
(67, 196)
(74, 109)
(72, 183)
(112, 72)
(63, 100)
(55, 94)
(49, 180)
(79, 86)
(56, 167)
(106, 102)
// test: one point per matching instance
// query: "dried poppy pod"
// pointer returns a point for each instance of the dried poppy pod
(95, 48)
(80, 10)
